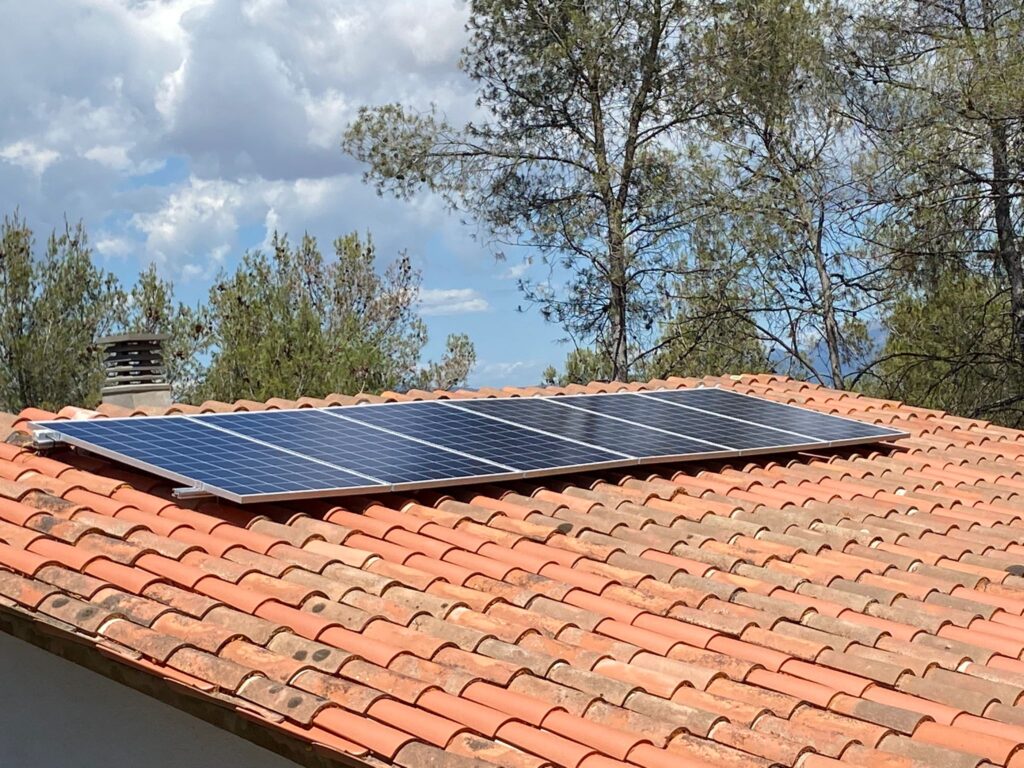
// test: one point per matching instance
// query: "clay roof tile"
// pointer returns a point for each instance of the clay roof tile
(854, 606)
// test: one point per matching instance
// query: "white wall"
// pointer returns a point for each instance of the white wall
(56, 713)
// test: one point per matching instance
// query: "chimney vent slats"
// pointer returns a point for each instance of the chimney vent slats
(135, 374)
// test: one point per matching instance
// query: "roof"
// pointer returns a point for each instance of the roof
(861, 607)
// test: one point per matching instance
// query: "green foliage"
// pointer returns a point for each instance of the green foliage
(708, 338)
(786, 214)
(948, 348)
(149, 307)
(940, 94)
(292, 323)
(940, 98)
(451, 370)
(53, 306)
(581, 152)
(712, 187)
(581, 366)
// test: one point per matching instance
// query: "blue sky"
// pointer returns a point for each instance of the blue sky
(182, 132)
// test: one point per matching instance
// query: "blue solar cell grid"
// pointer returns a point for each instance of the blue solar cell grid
(591, 428)
(194, 453)
(386, 458)
(819, 427)
(720, 433)
(450, 426)
(277, 455)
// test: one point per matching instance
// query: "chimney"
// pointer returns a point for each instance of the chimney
(134, 368)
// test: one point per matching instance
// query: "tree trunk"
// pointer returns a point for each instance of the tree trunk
(1006, 236)
(1002, 200)
(618, 306)
(828, 312)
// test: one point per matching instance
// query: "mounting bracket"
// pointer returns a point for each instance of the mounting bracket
(191, 493)
(44, 438)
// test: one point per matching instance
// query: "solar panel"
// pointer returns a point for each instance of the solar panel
(525, 449)
(227, 465)
(819, 427)
(593, 428)
(730, 434)
(382, 457)
(323, 452)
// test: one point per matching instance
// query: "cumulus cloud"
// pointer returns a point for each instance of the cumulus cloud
(265, 88)
(505, 370)
(517, 270)
(112, 156)
(247, 91)
(200, 217)
(27, 155)
(451, 301)
(114, 246)
(197, 222)
(185, 131)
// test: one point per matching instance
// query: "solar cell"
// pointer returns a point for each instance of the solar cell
(718, 432)
(818, 427)
(389, 459)
(443, 424)
(181, 449)
(589, 428)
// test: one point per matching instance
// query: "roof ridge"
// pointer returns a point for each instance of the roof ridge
(334, 399)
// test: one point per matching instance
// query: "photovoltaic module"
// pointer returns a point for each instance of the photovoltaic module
(376, 448)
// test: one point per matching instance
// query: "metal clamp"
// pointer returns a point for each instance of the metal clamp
(189, 492)
(45, 438)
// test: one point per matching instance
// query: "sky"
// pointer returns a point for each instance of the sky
(183, 132)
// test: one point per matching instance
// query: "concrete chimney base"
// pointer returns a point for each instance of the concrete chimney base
(153, 396)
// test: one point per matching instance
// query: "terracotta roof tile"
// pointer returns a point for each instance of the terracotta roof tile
(859, 607)
(377, 737)
(225, 674)
(292, 703)
(349, 694)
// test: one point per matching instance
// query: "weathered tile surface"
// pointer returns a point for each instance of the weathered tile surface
(863, 607)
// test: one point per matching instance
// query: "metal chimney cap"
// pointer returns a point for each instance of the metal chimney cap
(134, 370)
(130, 337)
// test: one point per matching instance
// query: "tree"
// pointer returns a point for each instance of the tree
(941, 98)
(786, 208)
(292, 323)
(581, 152)
(947, 348)
(710, 334)
(581, 366)
(52, 308)
(707, 336)
(451, 370)
(150, 308)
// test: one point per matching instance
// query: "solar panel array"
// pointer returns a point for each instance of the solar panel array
(320, 452)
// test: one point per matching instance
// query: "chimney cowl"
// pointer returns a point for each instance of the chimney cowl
(135, 375)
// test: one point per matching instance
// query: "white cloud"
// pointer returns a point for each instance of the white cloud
(199, 216)
(111, 155)
(208, 267)
(187, 130)
(240, 87)
(517, 270)
(451, 301)
(198, 221)
(506, 370)
(27, 155)
(114, 246)
(265, 87)
(327, 116)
